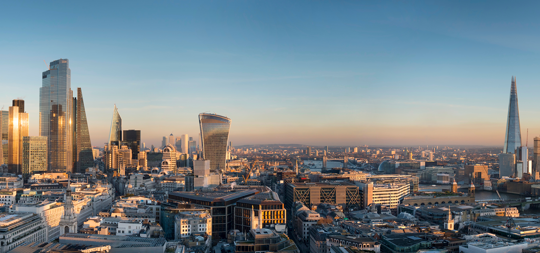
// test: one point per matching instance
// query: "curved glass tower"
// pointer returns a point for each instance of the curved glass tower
(214, 139)
(116, 128)
(512, 140)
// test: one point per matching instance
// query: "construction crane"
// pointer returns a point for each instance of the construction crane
(510, 220)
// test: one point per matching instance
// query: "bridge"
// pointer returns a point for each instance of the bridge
(520, 203)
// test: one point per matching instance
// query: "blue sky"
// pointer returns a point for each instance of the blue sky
(310, 72)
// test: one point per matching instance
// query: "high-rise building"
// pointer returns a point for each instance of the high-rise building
(34, 154)
(512, 139)
(55, 115)
(536, 159)
(169, 158)
(83, 157)
(214, 139)
(192, 146)
(17, 129)
(171, 140)
(4, 123)
(164, 142)
(115, 141)
(185, 143)
(132, 138)
(116, 128)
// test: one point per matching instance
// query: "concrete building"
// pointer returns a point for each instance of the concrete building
(305, 219)
(169, 158)
(190, 223)
(337, 193)
(507, 165)
(51, 212)
(386, 194)
(129, 228)
(34, 153)
(500, 247)
(21, 228)
(265, 240)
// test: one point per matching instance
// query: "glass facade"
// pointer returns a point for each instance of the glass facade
(116, 128)
(512, 140)
(83, 157)
(56, 116)
(17, 129)
(34, 154)
(214, 139)
(132, 138)
(4, 119)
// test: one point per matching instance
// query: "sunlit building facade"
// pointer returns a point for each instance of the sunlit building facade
(83, 157)
(4, 119)
(214, 139)
(34, 154)
(17, 129)
(116, 128)
(56, 116)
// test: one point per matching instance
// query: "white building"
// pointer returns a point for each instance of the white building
(499, 247)
(21, 228)
(51, 212)
(192, 223)
(7, 197)
(304, 220)
(390, 195)
(126, 228)
(12, 182)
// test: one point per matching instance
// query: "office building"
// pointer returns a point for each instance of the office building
(259, 211)
(17, 129)
(34, 154)
(50, 211)
(507, 165)
(164, 142)
(337, 193)
(386, 194)
(168, 213)
(143, 160)
(169, 158)
(536, 159)
(188, 223)
(171, 140)
(264, 240)
(192, 146)
(512, 139)
(56, 116)
(116, 128)
(214, 137)
(132, 138)
(220, 203)
(83, 157)
(4, 123)
(185, 144)
(21, 228)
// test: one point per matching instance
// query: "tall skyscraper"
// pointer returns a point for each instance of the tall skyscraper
(214, 139)
(83, 157)
(116, 128)
(132, 138)
(56, 116)
(536, 159)
(185, 144)
(4, 123)
(17, 129)
(171, 140)
(115, 139)
(512, 140)
(34, 154)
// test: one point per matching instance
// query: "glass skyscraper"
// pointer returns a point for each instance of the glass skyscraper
(4, 119)
(132, 138)
(34, 154)
(56, 116)
(214, 139)
(17, 129)
(116, 128)
(512, 140)
(82, 149)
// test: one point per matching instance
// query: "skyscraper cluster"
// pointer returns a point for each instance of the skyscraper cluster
(62, 119)
(124, 147)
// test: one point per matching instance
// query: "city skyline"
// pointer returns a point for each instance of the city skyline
(306, 79)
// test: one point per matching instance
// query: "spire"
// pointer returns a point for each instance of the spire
(512, 139)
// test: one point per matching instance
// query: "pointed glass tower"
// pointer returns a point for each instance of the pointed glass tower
(83, 157)
(116, 128)
(512, 139)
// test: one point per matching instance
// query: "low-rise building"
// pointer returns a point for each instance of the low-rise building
(190, 223)
(21, 228)
(265, 240)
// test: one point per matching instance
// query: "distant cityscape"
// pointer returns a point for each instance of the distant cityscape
(60, 193)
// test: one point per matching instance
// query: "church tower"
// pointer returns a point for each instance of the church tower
(68, 221)
(471, 189)
(449, 223)
(454, 186)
